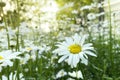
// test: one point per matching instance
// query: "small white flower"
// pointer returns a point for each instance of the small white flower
(74, 12)
(73, 49)
(86, 7)
(76, 74)
(91, 16)
(61, 73)
(23, 60)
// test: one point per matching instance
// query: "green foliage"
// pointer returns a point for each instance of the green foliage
(76, 6)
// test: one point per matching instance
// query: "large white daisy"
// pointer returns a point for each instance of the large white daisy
(73, 50)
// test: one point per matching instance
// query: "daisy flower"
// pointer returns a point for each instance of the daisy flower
(6, 57)
(73, 50)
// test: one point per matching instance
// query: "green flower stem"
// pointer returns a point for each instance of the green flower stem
(8, 37)
(17, 34)
(76, 72)
(30, 65)
(22, 41)
(110, 37)
(8, 72)
(41, 66)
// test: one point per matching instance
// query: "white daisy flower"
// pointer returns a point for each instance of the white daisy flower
(76, 74)
(73, 49)
(6, 56)
(61, 73)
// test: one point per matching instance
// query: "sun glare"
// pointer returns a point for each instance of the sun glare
(49, 9)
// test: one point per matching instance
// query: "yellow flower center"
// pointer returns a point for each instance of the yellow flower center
(29, 49)
(1, 58)
(74, 48)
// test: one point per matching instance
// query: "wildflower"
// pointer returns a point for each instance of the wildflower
(61, 73)
(76, 74)
(74, 50)
(86, 7)
(91, 16)
(6, 56)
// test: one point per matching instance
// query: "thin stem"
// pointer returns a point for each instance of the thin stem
(17, 43)
(8, 37)
(110, 37)
(77, 72)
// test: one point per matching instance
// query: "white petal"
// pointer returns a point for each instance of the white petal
(73, 74)
(79, 74)
(85, 56)
(90, 53)
(83, 40)
(76, 38)
(84, 61)
(70, 60)
(62, 58)
(87, 45)
(69, 40)
(87, 48)
(75, 60)
(9, 63)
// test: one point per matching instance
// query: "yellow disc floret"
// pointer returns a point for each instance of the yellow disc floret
(1, 58)
(74, 48)
(29, 49)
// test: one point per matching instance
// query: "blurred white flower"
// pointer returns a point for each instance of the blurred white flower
(99, 5)
(70, 79)
(61, 73)
(23, 60)
(31, 48)
(11, 32)
(24, 29)
(85, 7)
(100, 14)
(6, 57)
(13, 76)
(74, 12)
(12, 42)
(74, 50)
(70, 4)
(4, 77)
(29, 56)
(91, 16)
(76, 74)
